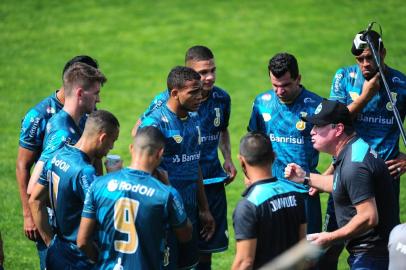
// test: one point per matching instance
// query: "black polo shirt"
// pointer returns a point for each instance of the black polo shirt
(271, 211)
(360, 175)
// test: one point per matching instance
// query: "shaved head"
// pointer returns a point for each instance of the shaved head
(149, 140)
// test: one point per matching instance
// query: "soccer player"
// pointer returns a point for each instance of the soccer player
(178, 121)
(277, 113)
(130, 209)
(214, 113)
(361, 188)
(270, 218)
(82, 85)
(64, 184)
(30, 147)
(359, 87)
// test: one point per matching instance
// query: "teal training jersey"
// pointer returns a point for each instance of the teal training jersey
(214, 115)
(376, 123)
(132, 210)
(69, 174)
(290, 136)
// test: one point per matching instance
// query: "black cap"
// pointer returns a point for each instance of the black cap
(330, 112)
(362, 44)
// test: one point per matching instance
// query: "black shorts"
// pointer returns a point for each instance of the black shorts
(216, 197)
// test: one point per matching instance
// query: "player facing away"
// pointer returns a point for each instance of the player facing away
(214, 113)
(64, 183)
(130, 211)
(270, 217)
(82, 85)
(30, 148)
(179, 122)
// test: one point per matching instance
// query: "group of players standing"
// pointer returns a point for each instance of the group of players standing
(180, 220)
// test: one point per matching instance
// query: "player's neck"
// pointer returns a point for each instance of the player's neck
(72, 109)
(141, 165)
(87, 146)
(60, 95)
(175, 107)
(257, 174)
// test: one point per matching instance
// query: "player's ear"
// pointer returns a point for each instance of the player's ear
(102, 137)
(160, 152)
(299, 78)
(174, 93)
(131, 148)
(79, 91)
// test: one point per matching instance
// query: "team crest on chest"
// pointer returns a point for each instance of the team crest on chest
(394, 98)
(177, 138)
(216, 121)
(266, 116)
(301, 125)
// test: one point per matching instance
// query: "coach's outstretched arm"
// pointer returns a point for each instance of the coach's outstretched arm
(296, 174)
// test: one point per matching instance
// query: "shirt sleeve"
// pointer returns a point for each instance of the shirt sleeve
(245, 221)
(177, 214)
(83, 181)
(89, 207)
(359, 182)
(46, 173)
(256, 121)
(53, 141)
(32, 131)
(338, 89)
(227, 112)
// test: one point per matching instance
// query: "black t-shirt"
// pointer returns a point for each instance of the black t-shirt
(271, 211)
(360, 175)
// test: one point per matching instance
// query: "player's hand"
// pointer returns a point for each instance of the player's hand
(208, 225)
(313, 191)
(370, 87)
(113, 167)
(30, 230)
(230, 170)
(322, 239)
(295, 173)
(396, 167)
(161, 175)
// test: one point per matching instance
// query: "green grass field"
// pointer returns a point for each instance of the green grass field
(138, 42)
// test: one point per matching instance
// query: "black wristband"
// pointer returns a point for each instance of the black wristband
(306, 179)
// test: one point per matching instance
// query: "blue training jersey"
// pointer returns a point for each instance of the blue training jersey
(132, 210)
(34, 123)
(61, 129)
(214, 116)
(69, 174)
(290, 136)
(376, 123)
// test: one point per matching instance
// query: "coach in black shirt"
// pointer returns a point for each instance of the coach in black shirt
(270, 218)
(361, 188)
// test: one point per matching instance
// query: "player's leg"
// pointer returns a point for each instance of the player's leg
(216, 197)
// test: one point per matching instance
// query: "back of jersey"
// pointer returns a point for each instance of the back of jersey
(132, 210)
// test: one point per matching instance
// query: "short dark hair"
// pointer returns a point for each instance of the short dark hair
(81, 74)
(149, 139)
(80, 59)
(198, 53)
(179, 75)
(101, 121)
(282, 63)
(256, 148)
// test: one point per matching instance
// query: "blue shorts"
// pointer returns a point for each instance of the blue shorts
(63, 255)
(216, 197)
(364, 261)
(182, 255)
